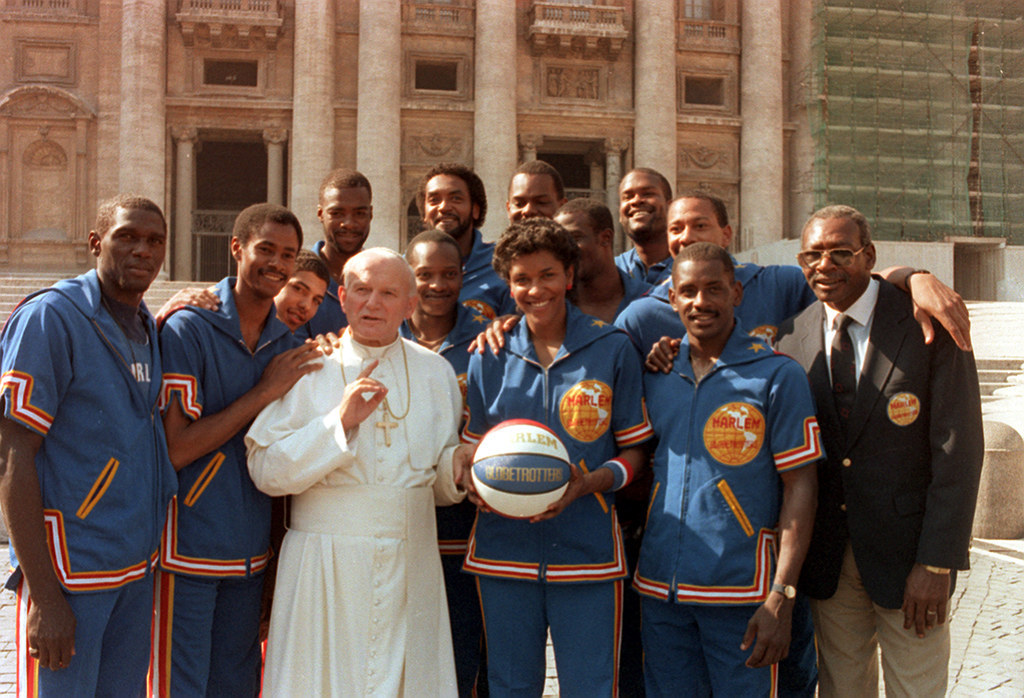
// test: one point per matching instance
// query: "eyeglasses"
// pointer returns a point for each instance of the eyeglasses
(840, 257)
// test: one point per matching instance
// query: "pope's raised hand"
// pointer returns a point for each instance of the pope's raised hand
(362, 396)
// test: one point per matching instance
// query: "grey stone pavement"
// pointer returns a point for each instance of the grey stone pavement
(987, 627)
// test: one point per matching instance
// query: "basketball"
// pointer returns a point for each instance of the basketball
(520, 468)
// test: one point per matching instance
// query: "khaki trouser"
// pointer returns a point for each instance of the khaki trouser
(849, 629)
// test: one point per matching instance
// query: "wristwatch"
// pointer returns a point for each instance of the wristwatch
(787, 590)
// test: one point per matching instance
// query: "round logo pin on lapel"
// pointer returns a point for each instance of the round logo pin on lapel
(903, 409)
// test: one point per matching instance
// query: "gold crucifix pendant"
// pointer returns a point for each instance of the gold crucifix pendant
(387, 427)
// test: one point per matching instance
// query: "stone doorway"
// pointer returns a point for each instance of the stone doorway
(230, 175)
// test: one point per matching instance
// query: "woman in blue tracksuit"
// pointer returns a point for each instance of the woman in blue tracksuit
(563, 569)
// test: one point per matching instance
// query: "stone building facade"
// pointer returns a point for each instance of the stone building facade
(207, 106)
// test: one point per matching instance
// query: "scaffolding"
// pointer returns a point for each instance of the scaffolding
(917, 112)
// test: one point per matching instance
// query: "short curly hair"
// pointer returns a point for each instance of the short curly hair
(252, 218)
(477, 193)
(344, 178)
(535, 235)
(106, 213)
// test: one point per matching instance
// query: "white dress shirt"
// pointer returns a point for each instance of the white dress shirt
(862, 314)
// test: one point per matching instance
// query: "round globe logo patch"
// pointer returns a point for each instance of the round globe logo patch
(477, 305)
(734, 433)
(903, 409)
(765, 332)
(586, 410)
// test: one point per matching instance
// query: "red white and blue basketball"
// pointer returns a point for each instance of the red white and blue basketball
(520, 468)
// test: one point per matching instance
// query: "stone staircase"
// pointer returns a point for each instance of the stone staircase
(997, 331)
(14, 287)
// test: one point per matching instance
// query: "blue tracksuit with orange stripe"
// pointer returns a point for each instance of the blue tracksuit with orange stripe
(455, 521)
(217, 536)
(591, 396)
(711, 530)
(70, 374)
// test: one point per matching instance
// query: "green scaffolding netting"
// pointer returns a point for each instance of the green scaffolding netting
(918, 115)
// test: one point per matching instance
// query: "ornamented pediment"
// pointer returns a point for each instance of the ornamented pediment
(43, 102)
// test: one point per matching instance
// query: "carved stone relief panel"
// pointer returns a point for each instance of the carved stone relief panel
(564, 81)
(45, 61)
(434, 147)
(712, 157)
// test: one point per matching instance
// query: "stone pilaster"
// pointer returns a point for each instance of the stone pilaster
(613, 149)
(761, 137)
(142, 155)
(379, 119)
(312, 146)
(274, 139)
(494, 127)
(184, 201)
(655, 87)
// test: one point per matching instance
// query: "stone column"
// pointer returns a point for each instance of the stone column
(312, 146)
(613, 148)
(654, 78)
(801, 143)
(529, 142)
(379, 119)
(184, 201)
(142, 156)
(274, 139)
(595, 161)
(494, 125)
(761, 140)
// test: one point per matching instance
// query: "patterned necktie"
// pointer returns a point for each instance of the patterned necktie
(844, 370)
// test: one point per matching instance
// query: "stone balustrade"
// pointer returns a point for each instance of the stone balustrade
(708, 35)
(430, 17)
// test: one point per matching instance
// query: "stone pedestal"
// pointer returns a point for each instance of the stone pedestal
(142, 128)
(312, 151)
(379, 119)
(761, 137)
(1000, 512)
(655, 89)
(494, 127)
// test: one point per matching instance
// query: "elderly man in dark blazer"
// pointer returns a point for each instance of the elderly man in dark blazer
(901, 424)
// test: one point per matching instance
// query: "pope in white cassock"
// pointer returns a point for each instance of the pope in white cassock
(366, 447)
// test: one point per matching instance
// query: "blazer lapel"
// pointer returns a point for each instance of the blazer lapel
(810, 339)
(888, 332)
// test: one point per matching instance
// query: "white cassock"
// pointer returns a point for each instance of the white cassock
(359, 606)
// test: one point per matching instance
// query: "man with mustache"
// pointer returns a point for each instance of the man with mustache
(733, 483)
(84, 474)
(222, 368)
(901, 422)
(452, 199)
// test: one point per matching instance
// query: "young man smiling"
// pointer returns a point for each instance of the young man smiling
(452, 199)
(736, 431)
(222, 368)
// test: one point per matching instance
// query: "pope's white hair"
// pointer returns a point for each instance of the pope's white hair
(371, 254)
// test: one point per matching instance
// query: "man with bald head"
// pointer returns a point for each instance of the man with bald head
(359, 607)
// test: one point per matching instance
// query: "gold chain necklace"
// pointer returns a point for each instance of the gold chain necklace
(408, 387)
